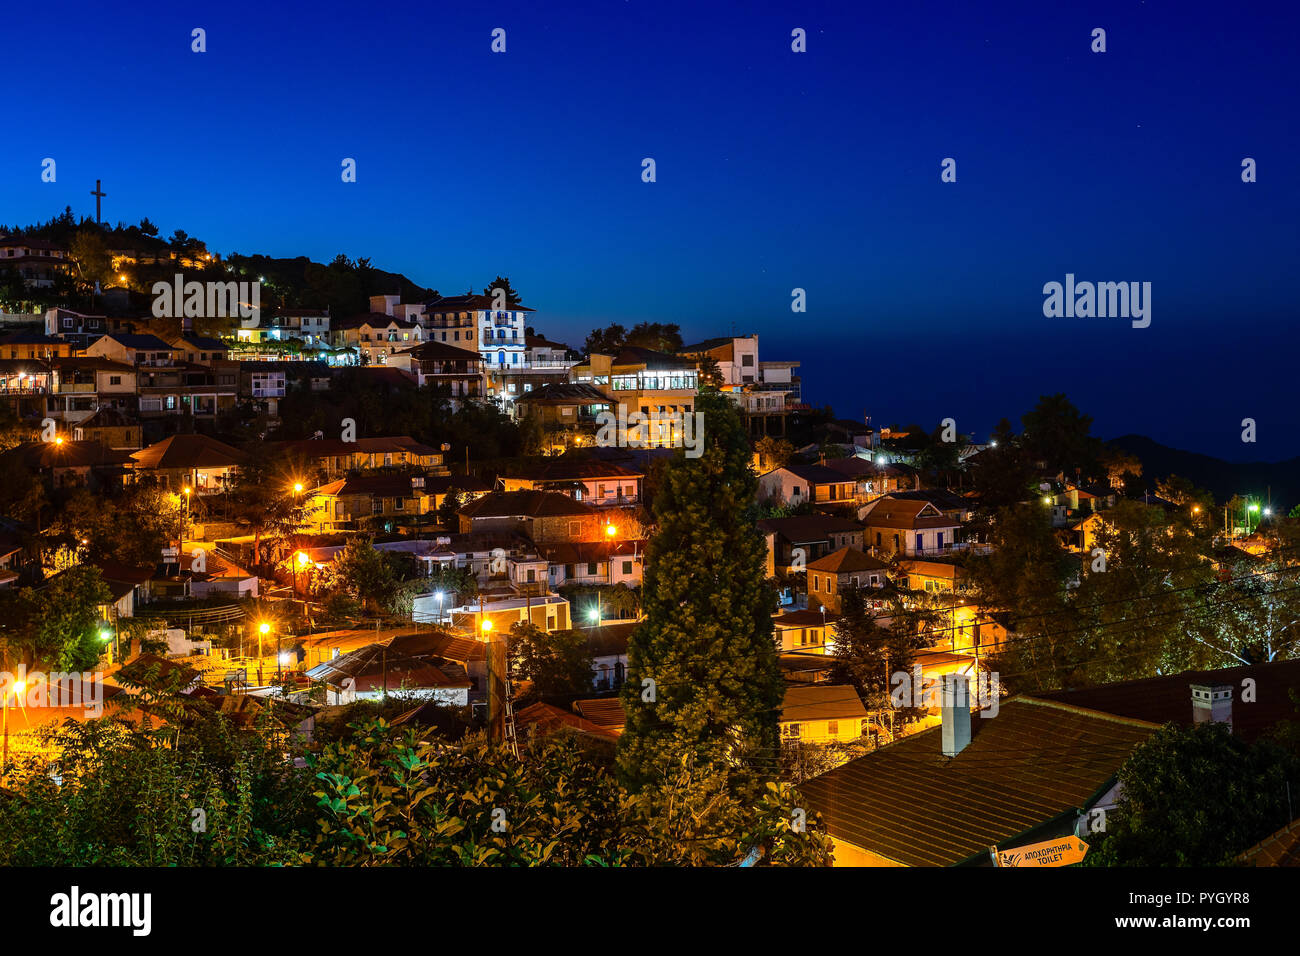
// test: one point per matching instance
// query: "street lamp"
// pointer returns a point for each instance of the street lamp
(486, 626)
(262, 630)
(302, 561)
(438, 596)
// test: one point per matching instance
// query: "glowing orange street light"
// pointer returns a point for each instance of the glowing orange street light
(486, 625)
(610, 530)
(58, 439)
(302, 561)
(297, 487)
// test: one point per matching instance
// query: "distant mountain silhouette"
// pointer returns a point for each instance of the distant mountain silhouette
(1222, 478)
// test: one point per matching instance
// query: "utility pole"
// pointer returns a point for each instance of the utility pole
(501, 713)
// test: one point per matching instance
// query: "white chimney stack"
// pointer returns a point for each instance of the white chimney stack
(1212, 702)
(956, 713)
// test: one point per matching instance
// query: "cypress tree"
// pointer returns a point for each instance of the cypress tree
(707, 638)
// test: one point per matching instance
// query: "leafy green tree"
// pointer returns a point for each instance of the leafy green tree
(607, 341)
(706, 642)
(1140, 588)
(710, 372)
(1250, 618)
(660, 336)
(263, 502)
(557, 663)
(55, 627)
(511, 296)
(773, 453)
(454, 581)
(869, 653)
(1002, 473)
(1196, 796)
(449, 509)
(91, 256)
(1025, 573)
(1058, 434)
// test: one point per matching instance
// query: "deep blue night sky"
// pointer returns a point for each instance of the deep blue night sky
(775, 170)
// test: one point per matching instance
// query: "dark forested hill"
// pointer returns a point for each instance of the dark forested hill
(1223, 478)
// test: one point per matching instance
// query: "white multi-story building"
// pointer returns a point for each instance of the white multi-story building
(761, 389)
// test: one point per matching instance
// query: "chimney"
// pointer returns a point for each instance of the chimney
(956, 713)
(1212, 702)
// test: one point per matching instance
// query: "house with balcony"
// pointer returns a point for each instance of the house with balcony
(909, 527)
(454, 320)
(541, 516)
(794, 541)
(365, 501)
(311, 327)
(873, 479)
(37, 261)
(568, 412)
(644, 381)
(457, 370)
(199, 349)
(183, 388)
(332, 457)
(799, 484)
(263, 383)
(133, 349)
(25, 387)
(81, 386)
(594, 562)
(502, 339)
(202, 464)
(591, 481)
(544, 363)
(75, 327)
(764, 391)
(374, 337)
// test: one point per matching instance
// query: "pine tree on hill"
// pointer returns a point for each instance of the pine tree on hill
(707, 639)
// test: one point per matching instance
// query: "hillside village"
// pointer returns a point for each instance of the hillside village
(431, 509)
